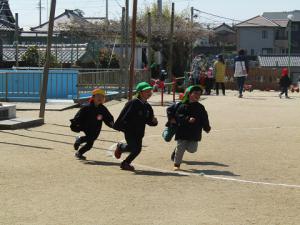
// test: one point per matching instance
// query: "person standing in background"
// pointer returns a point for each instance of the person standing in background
(219, 71)
(240, 70)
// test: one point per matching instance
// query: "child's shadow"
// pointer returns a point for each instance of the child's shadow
(100, 163)
(157, 173)
(204, 163)
(215, 172)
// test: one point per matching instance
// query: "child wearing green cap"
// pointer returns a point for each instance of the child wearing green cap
(191, 118)
(132, 121)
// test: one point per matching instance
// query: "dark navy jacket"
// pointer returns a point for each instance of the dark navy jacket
(91, 118)
(191, 131)
(134, 117)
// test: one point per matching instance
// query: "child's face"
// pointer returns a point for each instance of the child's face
(146, 94)
(195, 96)
(99, 99)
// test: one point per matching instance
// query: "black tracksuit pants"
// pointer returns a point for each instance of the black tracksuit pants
(89, 139)
(284, 90)
(133, 145)
(222, 86)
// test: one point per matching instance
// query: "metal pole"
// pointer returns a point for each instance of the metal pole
(43, 95)
(17, 39)
(289, 47)
(132, 58)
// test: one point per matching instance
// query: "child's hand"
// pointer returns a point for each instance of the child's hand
(208, 130)
(154, 120)
(192, 120)
(172, 121)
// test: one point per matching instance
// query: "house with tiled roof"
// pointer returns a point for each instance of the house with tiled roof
(225, 35)
(7, 25)
(268, 34)
(64, 22)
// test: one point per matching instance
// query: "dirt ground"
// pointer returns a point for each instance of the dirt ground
(246, 171)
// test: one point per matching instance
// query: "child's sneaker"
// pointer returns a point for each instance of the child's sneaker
(118, 152)
(176, 167)
(79, 156)
(126, 166)
(77, 143)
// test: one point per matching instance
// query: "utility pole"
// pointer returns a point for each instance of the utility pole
(43, 95)
(40, 10)
(191, 44)
(159, 8)
(132, 58)
(106, 11)
(17, 39)
(170, 60)
(159, 15)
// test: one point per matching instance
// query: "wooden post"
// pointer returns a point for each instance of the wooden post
(17, 39)
(132, 58)
(170, 61)
(126, 45)
(43, 94)
(149, 44)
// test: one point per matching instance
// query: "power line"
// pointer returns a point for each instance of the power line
(231, 19)
(118, 3)
(222, 17)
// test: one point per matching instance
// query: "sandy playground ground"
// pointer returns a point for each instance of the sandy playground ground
(246, 171)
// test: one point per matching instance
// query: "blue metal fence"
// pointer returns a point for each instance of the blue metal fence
(25, 85)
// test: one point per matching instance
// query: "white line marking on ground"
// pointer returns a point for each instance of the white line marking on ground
(112, 147)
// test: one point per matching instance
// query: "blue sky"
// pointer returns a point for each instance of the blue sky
(235, 9)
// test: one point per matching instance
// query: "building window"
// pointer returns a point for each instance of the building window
(267, 51)
(264, 34)
(252, 52)
(295, 27)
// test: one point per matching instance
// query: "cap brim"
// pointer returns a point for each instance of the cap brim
(147, 88)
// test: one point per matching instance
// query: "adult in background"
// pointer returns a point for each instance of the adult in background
(219, 71)
(241, 70)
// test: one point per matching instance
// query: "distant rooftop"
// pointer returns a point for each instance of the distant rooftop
(279, 60)
(257, 21)
(65, 53)
(65, 21)
(282, 15)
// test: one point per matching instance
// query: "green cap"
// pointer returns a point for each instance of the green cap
(188, 90)
(143, 86)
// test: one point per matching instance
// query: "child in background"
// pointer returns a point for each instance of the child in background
(90, 119)
(132, 121)
(284, 82)
(191, 117)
